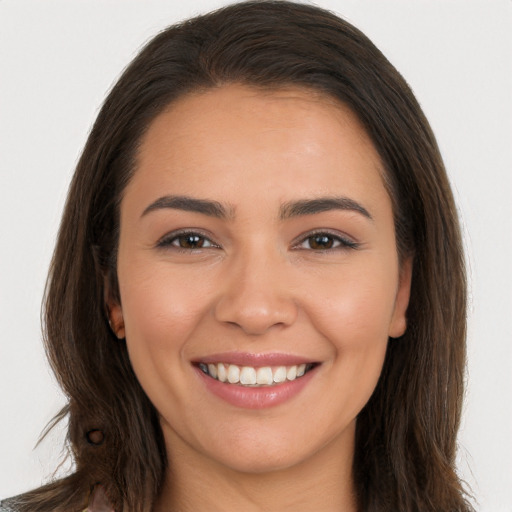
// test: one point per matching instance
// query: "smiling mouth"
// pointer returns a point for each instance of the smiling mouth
(250, 376)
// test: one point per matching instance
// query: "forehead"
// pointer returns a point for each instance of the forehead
(242, 111)
(287, 141)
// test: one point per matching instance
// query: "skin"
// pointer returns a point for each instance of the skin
(259, 285)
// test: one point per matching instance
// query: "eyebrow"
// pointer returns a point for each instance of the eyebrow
(287, 210)
(190, 204)
(321, 204)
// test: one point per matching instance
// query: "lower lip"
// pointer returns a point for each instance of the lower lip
(256, 397)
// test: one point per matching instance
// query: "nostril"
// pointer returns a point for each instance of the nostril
(255, 314)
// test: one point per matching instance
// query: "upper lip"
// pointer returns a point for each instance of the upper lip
(251, 359)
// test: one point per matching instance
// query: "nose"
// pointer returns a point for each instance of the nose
(257, 295)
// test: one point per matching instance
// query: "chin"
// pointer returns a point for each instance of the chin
(262, 462)
(261, 451)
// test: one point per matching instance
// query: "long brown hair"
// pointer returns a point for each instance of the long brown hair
(406, 434)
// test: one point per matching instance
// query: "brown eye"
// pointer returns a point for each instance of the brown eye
(187, 241)
(321, 241)
(324, 241)
(190, 241)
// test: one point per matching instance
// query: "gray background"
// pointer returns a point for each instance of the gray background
(57, 60)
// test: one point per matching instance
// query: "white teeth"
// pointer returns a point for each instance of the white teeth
(233, 374)
(212, 369)
(280, 374)
(291, 374)
(247, 376)
(221, 373)
(264, 376)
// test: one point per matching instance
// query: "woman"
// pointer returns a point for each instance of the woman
(257, 298)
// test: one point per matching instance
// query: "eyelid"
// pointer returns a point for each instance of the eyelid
(346, 241)
(167, 239)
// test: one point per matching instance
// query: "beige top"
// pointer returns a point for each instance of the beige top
(97, 503)
(5, 508)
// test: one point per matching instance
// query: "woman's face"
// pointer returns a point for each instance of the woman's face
(257, 243)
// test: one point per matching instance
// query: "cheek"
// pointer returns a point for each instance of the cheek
(160, 309)
(355, 324)
(358, 308)
(354, 316)
(161, 314)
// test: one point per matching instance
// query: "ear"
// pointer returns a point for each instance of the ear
(398, 324)
(116, 320)
(114, 310)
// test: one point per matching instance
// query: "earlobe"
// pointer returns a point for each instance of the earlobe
(398, 324)
(116, 320)
(114, 310)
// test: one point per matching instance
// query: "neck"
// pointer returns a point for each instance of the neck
(324, 481)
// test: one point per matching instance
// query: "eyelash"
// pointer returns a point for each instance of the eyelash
(343, 243)
(168, 241)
